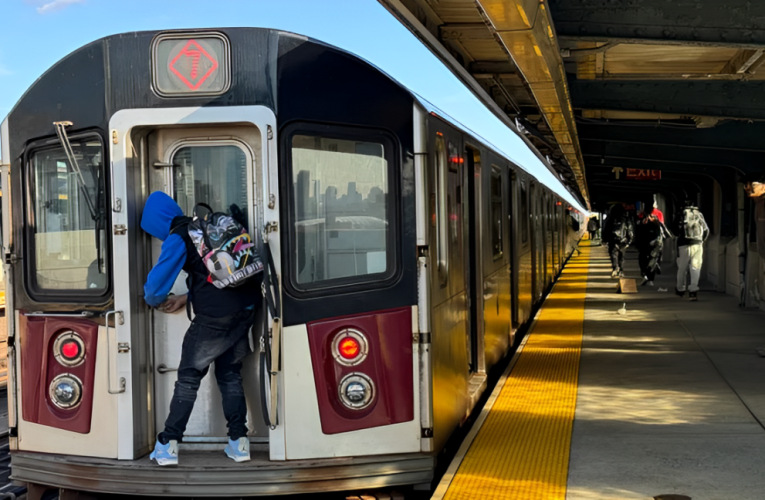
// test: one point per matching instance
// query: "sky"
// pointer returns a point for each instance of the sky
(37, 33)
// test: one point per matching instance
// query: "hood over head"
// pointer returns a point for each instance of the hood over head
(158, 215)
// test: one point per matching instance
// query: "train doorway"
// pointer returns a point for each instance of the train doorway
(473, 268)
(216, 166)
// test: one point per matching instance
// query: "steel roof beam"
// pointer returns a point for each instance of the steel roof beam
(704, 98)
(603, 152)
(729, 23)
(733, 135)
(598, 162)
(419, 18)
(524, 29)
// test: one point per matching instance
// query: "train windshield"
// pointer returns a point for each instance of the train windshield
(68, 210)
(341, 191)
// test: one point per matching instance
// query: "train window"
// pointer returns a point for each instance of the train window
(496, 212)
(524, 213)
(216, 175)
(442, 211)
(68, 226)
(341, 212)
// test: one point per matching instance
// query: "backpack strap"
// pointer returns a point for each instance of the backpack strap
(203, 205)
(179, 223)
(182, 224)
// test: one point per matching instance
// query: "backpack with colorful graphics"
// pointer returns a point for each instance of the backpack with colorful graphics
(692, 224)
(227, 251)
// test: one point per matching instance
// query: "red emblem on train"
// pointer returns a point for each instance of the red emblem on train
(193, 65)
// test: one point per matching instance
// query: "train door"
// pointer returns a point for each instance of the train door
(549, 248)
(537, 242)
(471, 217)
(496, 283)
(217, 166)
(558, 238)
(450, 333)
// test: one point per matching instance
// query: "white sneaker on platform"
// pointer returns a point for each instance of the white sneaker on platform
(239, 450)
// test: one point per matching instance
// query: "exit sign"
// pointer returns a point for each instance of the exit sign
(636, 174)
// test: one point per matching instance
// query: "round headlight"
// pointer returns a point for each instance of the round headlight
(356, 391)
(65, 391)
(69, 349)
(350, 347)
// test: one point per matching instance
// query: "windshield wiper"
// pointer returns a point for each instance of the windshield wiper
(61, 132)
(98, 216)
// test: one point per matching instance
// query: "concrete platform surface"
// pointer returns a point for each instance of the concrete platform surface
(671, 396)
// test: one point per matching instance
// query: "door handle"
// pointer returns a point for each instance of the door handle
(121, 382)
(163, 368)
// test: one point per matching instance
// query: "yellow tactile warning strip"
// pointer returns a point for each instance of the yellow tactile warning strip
(522, 449)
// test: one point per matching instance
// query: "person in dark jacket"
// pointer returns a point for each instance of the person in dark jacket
(649, 239)
(593, 226)
(218, 332)
(618, 232)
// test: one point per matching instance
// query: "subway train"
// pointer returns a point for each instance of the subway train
(406, 256)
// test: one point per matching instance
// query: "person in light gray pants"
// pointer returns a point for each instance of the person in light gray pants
(692, 231)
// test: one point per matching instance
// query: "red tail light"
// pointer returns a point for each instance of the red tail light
(69, 349)
(350, 347)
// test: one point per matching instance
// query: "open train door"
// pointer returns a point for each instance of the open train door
(216, 155)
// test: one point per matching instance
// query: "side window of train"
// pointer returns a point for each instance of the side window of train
(524, 213)
(343, 228)
(441, 212)
(67, 221)
(454, 196)
(496, 211)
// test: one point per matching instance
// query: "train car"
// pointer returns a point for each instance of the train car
(395, 234)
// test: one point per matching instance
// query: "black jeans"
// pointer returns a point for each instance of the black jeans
(616, 252)
(649, 259)
(225, 342)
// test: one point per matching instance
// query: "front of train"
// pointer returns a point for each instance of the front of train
(310, 142)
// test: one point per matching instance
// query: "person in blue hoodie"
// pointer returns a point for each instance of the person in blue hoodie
(218, 332)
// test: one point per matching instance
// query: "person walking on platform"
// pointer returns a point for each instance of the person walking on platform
(593, 226)
(649, 238)
(618, 232)
(692, 232)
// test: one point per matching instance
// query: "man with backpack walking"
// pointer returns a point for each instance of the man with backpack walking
(618, 232)
(222, 264)
(692, 232)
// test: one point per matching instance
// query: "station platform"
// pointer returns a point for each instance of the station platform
(664, 399)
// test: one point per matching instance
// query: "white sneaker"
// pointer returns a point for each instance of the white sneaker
(649, 283)
(239, 450)
(165, 454)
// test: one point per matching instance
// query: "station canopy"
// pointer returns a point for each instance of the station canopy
(627, 99)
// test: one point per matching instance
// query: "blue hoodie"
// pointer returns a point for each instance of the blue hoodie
(157, 219)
